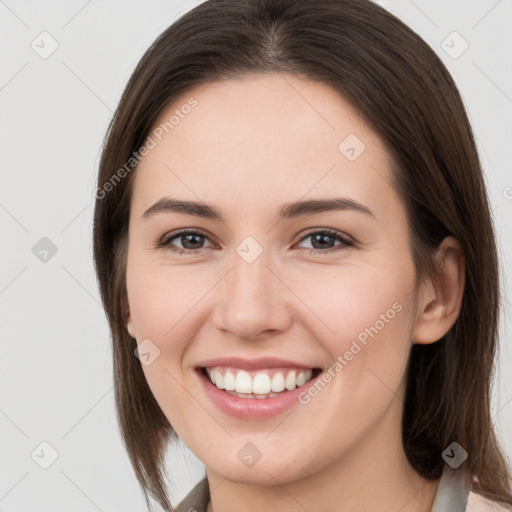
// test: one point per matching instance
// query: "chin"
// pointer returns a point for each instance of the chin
(272, 468)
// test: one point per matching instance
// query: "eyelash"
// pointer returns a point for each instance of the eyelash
(164, 242)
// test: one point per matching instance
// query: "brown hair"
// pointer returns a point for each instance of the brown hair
(402, 89)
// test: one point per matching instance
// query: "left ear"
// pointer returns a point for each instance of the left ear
(440, 300)
(128, 318)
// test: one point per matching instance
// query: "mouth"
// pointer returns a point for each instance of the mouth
(255, 390)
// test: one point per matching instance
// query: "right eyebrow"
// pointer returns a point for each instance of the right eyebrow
(168, 204)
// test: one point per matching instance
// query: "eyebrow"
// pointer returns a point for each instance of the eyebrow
(287, 211)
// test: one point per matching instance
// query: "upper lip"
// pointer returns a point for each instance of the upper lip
(251, 364)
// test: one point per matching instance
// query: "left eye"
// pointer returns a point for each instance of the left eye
(321, 239)
(192, 241)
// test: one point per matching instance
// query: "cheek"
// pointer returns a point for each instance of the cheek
(356, 303)
(163, 297)
(165, 306)
(364, 320)
(162, 302)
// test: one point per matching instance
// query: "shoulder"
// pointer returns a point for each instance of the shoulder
(477, 503)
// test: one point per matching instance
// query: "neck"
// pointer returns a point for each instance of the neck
(373, 475)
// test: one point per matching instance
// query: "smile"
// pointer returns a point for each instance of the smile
(254, 389)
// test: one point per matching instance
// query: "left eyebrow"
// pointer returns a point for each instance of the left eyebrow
(313, 206)
(287, 211)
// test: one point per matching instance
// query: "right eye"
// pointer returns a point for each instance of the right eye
(190, 240)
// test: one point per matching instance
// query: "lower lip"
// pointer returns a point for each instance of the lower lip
(252, 408)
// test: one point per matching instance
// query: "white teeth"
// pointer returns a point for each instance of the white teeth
(229, 381)
(244, 395)
(278, 382)
(290, 381)
(219, 379)
(240, 383)
(243, 382)
(261, 384)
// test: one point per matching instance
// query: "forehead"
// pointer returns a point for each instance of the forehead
(268, 136)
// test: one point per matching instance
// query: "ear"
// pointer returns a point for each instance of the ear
(440, 300)
(129, 326)
(129, 322)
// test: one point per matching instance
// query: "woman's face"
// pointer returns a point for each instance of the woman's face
(250, 298)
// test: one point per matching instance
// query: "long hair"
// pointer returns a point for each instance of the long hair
(403, 91)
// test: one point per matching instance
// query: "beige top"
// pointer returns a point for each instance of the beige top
(452, 496)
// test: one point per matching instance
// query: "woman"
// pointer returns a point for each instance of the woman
(351, 373)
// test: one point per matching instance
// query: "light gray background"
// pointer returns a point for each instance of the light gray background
(56, 377)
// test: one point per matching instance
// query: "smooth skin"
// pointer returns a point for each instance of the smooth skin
(248, 147)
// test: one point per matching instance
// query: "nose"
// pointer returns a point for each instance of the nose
(252, 302)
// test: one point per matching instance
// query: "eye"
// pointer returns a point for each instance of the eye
(323, 238)
(191, 242)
